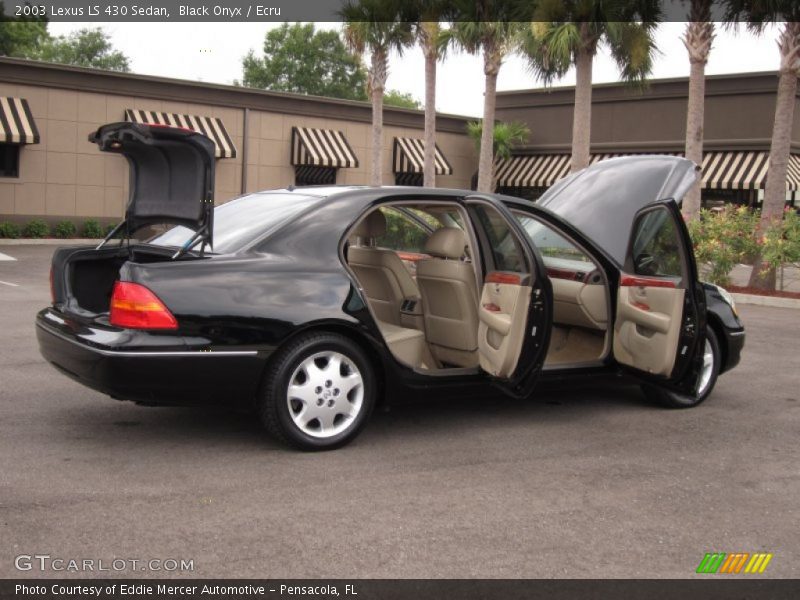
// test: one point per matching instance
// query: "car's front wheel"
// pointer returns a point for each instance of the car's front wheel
(712, 360)
(318, 393)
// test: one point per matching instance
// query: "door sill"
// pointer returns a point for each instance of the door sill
(455, 371)
(571, 366)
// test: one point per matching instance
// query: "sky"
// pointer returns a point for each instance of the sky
(212, 52)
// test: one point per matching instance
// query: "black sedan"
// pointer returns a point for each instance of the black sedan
(311, 305)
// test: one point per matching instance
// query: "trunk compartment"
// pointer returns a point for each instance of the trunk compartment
(83, 277)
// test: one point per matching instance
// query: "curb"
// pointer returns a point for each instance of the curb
(767, 301)
(48, 241)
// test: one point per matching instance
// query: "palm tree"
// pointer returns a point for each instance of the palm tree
(426, 16)
(759, 13)
(373, 25)
(553, 45)
(495, 39)
(505, 136)
(698, 37)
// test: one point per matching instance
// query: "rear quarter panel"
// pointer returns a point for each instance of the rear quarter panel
(253, 301)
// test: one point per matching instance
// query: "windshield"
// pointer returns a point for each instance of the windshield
(240, 221)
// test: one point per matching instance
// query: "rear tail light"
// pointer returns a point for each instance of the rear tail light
(133, 306)
(52, 286)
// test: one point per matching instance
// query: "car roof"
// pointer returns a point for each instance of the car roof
(327, 191)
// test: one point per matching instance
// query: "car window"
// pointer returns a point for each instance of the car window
(240, 221)
(549, 242)
(656, 247)
(506, 249)
(403, 234)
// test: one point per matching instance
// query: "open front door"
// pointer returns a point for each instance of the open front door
(515, 300)
(660, 322)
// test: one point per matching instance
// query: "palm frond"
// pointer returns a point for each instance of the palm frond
(633, 48)
(506, 136)
(549, 48)
(376, 25)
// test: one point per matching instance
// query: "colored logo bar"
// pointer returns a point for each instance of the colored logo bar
(734, 563)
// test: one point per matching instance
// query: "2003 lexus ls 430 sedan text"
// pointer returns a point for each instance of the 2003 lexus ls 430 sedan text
(310, 305)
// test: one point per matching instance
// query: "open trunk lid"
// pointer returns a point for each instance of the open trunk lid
(602, 200)
(171, 177)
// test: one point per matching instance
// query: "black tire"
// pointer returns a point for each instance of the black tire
(672, 399)
(273, 403)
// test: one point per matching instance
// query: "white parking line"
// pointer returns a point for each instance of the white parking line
(8, 283)
(6, 257)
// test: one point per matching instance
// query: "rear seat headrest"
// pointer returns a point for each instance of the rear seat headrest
(371, 226)
(448, 242)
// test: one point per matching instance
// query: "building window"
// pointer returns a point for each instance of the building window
(715, 198)
(414, 179)
(308, 175)
(527, 193)
(9, 160)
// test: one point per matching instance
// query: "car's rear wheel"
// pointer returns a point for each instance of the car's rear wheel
(318, 393)
(712, 360)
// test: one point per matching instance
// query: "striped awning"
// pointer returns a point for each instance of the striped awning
(321, 148)
(211, 127)
(598, 157)
(536, 170)
(16, 122)
(408, 156)
(793, 173)
(734, 170)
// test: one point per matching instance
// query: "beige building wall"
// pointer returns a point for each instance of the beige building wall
(270, 135)
(67, 177)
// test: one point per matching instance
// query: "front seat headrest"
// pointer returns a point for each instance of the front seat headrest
(448, 242)
(371, 226)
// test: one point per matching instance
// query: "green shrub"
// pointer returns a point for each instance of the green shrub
(92, 229)
(400, 234)
(65, 229)
(9, 230)
(36, 229)
(109, 229)
(781, 241)
(723, 239)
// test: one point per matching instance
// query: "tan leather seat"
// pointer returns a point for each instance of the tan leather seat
(407, 345)
(382, 275)
(449, 298)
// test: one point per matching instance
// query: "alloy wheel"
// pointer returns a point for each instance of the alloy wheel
(325, 394)
(707, 370)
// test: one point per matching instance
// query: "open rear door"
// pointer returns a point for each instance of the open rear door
(516, 300)
(660, 322)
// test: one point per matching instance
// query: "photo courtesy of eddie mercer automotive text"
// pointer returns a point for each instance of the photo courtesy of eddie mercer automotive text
(139, 590)
(284, 302)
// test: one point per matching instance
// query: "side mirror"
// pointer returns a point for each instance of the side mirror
(644, 264)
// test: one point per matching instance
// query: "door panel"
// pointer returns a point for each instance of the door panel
(648, 325)
(514, 312)
(503, 307)
(656, 329)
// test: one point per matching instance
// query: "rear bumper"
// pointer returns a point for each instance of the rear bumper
(172, 373)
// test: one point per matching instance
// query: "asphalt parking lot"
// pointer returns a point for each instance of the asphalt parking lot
(587, 483)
